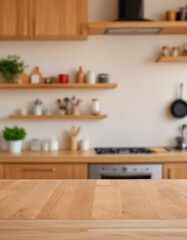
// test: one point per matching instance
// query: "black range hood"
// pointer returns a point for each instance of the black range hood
(132, 10)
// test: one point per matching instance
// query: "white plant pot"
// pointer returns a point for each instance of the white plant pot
(15, 146)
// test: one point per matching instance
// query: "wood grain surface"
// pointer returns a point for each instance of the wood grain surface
(87, 199)
(93, 210)
(93, 230)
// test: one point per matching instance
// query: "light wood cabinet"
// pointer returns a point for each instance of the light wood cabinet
(175, 171)
(46, 171)
(58, 18)
(1, 171)
(14, 18)
(43, 19)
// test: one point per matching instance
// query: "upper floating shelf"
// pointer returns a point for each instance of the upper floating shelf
(98, 28)
(178, 59)
(59, 86)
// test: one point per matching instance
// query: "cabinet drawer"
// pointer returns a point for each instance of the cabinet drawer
(1, 171)
(175, 171)
(46, 171)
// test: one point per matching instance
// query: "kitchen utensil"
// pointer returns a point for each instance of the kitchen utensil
(179, 107)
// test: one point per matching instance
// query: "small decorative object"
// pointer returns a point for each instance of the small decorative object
(38, 107)
(185, 50)
(35, 145)
(11, 67)
(165, 51)
(73, 134)
(80, 76)
(91, 77)
(64, 78)
(47, 80)
(84, 145)
(63, 106)
(45, 146)
(48, 110)
(104, 77)
(36, 76)
(53, 145)
(181, 15)
(95, 106)
(175, 52)
(171, 15)
(23, 78)
(23, 111)
(14, 136)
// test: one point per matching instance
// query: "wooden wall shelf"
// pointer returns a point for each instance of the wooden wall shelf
(59, 86)
(58, 117)
(99, 28)
(172, 59)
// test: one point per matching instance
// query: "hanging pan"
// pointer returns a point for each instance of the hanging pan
(179, 106)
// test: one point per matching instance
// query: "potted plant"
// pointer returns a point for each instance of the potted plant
(14, 136)
(11, 67)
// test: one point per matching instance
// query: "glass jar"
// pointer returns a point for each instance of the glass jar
(95, 106)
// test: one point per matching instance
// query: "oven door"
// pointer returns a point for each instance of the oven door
(125, 171)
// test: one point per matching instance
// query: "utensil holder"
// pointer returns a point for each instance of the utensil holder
(73, 143)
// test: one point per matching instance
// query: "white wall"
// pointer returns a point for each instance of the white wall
(138, 108)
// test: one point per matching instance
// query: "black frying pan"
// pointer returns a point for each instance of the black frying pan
(179, 107)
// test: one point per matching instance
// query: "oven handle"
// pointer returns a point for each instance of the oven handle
(124, 174)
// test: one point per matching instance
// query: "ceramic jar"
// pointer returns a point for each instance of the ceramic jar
(95, 106)
(91, 77)
(84, 145)
(53, 145)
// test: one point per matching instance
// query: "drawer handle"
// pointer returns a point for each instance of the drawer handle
(169, 173)
(39, 170)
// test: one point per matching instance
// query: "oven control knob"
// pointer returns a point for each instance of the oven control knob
(114, 169)
(124, 169)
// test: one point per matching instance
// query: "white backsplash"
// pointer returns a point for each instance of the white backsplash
(138, 110)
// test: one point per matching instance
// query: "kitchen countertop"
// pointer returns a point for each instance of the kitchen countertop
(93, 209)
(161, 156)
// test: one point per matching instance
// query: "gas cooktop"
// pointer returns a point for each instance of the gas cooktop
(121, 151)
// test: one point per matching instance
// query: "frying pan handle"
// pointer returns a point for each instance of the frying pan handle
(181, 90)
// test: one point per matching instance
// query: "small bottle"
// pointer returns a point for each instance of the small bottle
(165, 51)
(80, 76)
(53, 145)
(175, 52)
(95, 106)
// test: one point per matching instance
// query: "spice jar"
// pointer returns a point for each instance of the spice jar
(95, 106)
(165, 51)
(175, 52)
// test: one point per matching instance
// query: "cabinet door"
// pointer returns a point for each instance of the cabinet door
(175, 171)
(1, 171)
(46, 171)
(58, 18)
(14, 18)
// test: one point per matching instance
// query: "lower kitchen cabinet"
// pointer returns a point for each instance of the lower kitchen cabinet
(175, 171)
(46, 171)
(1, 171)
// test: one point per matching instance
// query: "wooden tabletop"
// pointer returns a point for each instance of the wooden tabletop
(90, 199)
(92, 210)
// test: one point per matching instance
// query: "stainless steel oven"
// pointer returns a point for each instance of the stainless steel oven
(125, 171)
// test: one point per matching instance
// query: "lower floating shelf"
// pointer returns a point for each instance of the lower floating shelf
(58, 117)
(178, 59)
